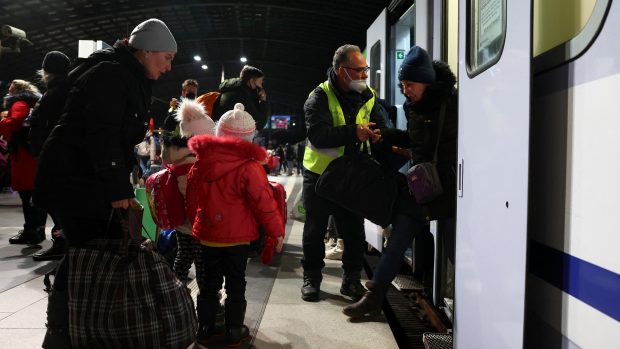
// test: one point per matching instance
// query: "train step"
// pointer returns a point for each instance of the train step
(437, 340)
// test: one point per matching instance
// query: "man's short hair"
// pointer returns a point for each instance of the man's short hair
(249, 72)
(189, 82)
(342, 54)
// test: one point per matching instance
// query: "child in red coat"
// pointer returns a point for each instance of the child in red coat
(228, 196)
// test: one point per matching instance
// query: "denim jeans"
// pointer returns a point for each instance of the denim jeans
(404, 230)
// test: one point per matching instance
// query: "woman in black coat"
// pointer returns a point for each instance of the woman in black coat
(427, 86)
(88, 157)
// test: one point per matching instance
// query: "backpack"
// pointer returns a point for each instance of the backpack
(208, 101)
(280, 195)
(165, 200)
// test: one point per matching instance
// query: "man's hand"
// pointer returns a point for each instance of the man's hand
(262, 94)
(363, 132)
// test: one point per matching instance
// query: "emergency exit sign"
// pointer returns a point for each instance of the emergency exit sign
(400, 54)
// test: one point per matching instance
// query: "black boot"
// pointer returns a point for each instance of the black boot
(57, 335)
(236, 331)
(369, 304)
(207, 328)
(311, 288)
(26, 237)
(352, 286)
(56, 252)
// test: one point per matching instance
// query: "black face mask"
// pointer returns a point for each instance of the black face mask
(190, 95)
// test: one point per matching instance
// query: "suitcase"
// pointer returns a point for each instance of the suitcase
(280, 195)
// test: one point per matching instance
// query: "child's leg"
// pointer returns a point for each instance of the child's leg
(198, 262)
(207, 302)
(236, 261)
(185, 255)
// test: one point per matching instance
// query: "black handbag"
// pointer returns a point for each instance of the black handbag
(361, 185)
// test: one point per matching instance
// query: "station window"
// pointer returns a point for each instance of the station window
(486, 34)
(563, 29)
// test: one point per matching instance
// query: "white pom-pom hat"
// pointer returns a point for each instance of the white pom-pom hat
(193, 120)
(236, 123)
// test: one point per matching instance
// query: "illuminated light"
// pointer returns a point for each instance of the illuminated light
(243, 59)
(204, 67)
(197, 58)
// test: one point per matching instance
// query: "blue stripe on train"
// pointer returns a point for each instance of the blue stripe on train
(593, 285)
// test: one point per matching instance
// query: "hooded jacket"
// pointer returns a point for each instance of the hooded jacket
(23, 164)
(235, 91)
(228, 194)
(88, 157)
(421, 138)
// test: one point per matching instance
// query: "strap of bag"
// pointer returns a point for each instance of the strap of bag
(442, 117)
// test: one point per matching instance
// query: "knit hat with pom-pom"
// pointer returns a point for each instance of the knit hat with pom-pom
(236, 123)
(193, 120)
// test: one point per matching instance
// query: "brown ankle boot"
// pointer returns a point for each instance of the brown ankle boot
(369, 304)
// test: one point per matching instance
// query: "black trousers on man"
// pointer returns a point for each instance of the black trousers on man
(350, 228)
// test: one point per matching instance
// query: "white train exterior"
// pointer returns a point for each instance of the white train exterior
(537, 262)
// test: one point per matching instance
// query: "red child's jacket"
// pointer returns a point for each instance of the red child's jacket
(228, 194)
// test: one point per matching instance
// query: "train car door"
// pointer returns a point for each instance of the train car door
(376, 41)
(494, 114)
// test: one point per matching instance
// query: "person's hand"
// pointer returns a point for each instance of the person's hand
(4, 114)
(279, 243)
(262, 94)
(376, 137)
(124, 203)
(363, 132)
(402, 152)
(174, 103)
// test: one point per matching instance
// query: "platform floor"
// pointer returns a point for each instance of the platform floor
(276, 314)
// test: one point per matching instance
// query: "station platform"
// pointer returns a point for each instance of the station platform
(276, 315)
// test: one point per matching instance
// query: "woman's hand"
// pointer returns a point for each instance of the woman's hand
(402, 152)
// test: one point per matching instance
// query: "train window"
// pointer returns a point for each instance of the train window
(486, 34)
(563, 29)
(375, 67)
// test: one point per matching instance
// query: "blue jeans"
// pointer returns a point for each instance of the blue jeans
(404, 230)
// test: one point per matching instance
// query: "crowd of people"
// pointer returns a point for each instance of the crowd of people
(72, 138)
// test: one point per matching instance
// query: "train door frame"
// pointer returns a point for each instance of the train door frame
(493, 151)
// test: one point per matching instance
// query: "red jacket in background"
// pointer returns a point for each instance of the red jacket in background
(228, 194)
(23, 164)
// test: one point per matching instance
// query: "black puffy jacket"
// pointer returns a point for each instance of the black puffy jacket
(88, 157)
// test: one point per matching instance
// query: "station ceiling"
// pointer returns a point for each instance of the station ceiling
(291, 41)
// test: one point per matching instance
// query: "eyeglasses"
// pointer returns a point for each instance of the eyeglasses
(359, 70)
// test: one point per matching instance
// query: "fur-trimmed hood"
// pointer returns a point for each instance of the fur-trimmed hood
(30, 98)
(219, 155)
(442, 88)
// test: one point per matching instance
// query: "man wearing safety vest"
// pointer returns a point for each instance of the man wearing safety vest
(340, 112)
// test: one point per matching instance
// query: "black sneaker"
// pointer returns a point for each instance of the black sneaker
(26, 237)
(206, 333)
(352, 288)
(237, 335)
(311, 289)
(56, 252)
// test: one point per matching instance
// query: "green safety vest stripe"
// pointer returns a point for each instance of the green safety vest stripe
(317, 159)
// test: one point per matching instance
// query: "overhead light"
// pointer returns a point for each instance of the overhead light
(243, 59)
(197, 58)
(204, 67)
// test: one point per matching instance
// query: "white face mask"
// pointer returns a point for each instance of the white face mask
(358, 86)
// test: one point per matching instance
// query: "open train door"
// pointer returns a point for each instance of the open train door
(494, 117)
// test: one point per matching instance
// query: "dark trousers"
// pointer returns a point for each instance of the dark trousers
(350, 228)
(404, 230)
(34, 218)
(229, 262)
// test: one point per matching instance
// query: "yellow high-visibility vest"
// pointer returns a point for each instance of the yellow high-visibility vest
(317, 159)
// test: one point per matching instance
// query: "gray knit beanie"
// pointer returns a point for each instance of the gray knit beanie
(153, 35)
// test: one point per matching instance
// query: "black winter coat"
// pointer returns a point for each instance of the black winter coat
(235, 91)
(319, 120)
(421, 138)
(86, 161)
(47, 112)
